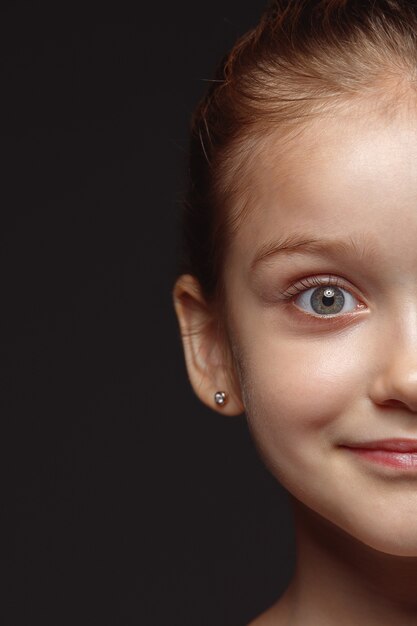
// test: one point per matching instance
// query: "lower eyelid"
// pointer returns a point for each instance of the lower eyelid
(325, 323)
(359, 307)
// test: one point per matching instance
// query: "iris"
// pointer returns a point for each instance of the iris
(327, 300)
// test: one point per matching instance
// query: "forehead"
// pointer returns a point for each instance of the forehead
(343, 173)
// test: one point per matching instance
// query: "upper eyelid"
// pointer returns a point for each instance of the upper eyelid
(312, 282)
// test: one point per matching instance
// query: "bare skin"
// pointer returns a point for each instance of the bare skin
(337, 210)
(353, 583)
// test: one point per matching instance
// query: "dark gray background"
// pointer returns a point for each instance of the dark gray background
(124, 501)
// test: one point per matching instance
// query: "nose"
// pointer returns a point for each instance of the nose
(395, 384)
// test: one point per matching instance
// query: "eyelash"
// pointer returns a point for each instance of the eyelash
(311, 282)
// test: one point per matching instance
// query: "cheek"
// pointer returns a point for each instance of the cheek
(296, 390)
(308, 382)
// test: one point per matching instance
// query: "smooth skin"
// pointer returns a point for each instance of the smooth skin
(339, 201)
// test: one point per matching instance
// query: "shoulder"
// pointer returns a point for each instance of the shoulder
(268, 618)
(277, 615)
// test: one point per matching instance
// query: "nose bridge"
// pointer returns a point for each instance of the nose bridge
(396, 381)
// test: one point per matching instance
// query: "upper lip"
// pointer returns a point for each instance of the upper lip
(392, 445)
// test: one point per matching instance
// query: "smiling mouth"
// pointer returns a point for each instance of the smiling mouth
(398, 454)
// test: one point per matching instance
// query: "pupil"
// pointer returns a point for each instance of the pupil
(328, 300)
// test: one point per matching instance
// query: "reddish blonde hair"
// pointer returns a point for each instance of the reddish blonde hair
(302, 59)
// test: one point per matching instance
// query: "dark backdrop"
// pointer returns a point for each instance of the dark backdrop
(124, 501)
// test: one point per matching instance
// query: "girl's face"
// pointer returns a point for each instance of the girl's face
(321, 285)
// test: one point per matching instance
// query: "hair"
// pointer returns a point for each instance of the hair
(304, 58)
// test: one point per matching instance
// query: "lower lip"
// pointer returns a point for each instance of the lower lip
(398, 460)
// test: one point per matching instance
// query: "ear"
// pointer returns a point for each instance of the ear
(209, 367)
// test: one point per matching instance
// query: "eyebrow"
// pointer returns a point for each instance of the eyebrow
(362, 247)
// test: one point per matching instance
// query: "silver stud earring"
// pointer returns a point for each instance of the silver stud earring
(220, 398)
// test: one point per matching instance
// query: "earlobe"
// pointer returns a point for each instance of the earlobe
(208, 371)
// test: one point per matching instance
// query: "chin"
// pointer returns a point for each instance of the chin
(389, 526)
(393, 534)
(387, 541)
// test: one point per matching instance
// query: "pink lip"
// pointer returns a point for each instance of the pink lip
(395, 453)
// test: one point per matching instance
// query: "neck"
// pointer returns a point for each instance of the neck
(340, 580)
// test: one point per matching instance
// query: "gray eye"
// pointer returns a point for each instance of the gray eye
(326, 300)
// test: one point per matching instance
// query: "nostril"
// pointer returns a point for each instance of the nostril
(396, 387)
(392, 402)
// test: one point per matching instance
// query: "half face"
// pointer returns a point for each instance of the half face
(321, 286)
